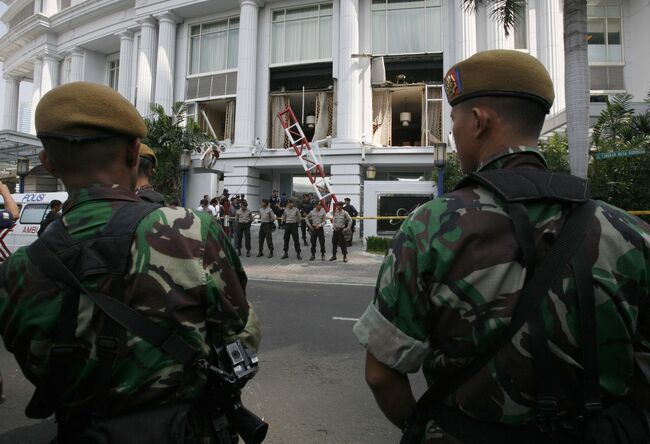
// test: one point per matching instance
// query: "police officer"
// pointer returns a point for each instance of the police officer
(290, 220)
(449, 287)
(244, 218)
(349, 208)
(341, 223)
(316, 220)
(146, 168)
(91, 137)
(267, 222)
(305, 208)
(10, 212)
(274, 202)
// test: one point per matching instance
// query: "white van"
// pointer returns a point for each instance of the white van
(33, 209)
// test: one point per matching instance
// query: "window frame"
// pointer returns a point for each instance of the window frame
(425, 34)
(606, 44)
(284, 35)
(112, 58)
(26, 208)
(201, 23)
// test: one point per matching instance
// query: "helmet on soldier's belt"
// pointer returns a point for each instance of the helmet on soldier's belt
(82, 111)
(500, 73)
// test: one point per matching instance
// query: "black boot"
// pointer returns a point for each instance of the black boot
(248, 253)
(285, 255)
(305, 242)
(333, 258)
(322, 256)
(260, 254)
(298, 256)
(345, 258)
(270, 254)
(312, 257)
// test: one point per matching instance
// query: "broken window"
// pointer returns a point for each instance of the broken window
(215, 117)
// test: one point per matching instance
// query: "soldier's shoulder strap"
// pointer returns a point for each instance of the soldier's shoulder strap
(152, 196)
(522, 185)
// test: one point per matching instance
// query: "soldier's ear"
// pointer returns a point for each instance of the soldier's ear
(45, 161)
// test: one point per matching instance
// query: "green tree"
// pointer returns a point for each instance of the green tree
(168, 135)
(453, 173)
(556, 152)
(576, 88)
(622, 181)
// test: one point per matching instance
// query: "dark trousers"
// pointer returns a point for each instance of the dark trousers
(303, 229)
(338, 240)
(244, 230)
(291, 230)
(266, 228)
(319, 234)
(232, 230)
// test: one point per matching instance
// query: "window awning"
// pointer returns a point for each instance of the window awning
(14, 145)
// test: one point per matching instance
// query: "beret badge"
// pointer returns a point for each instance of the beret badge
(453, 87)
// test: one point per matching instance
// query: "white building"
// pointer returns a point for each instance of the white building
(239, 63)
(24, 117)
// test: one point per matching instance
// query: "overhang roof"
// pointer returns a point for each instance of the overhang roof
(14, 145)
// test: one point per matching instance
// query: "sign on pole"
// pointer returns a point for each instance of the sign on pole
(624, 153)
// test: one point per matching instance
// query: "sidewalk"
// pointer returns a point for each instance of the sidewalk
(361, 268)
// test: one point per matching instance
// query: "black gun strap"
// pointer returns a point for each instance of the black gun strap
(567, 243)
(139, 325)
(584, 283)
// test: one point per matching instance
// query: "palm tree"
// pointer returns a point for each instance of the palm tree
(576, 74)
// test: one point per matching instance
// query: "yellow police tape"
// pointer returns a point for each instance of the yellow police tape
(640, 212)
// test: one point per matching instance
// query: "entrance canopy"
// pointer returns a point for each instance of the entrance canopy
(14, 145)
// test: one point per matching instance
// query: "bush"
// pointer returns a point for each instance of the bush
(378, 244)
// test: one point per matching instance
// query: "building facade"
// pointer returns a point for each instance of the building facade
(365, 75)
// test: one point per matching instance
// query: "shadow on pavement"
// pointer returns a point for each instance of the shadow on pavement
(41, 433)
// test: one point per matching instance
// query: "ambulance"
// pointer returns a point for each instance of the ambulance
(33, 209)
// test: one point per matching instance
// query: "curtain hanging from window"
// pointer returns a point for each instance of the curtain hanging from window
(434, 111)
(382, 117)
(229, 126)
(322, 117)
(278, 137)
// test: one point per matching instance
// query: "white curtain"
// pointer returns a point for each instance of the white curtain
(213, 51)
(229, 126)
(432, 116)
(406, 29)
(322, 117)
(382, 117)
(278, 103)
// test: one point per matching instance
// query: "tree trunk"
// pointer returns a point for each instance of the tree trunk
(577, 84)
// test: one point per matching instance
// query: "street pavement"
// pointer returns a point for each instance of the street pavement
(310, 387)
(361, 267)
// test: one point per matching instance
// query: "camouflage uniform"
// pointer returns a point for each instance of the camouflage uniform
(182, 270)
(449, 286)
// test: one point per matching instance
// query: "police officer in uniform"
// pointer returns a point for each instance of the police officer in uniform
(83, 371)
(316, 221)
(305, 208)
(267, 222)
(146, 168)
(290, 219)
(453, 282)
(244, 218)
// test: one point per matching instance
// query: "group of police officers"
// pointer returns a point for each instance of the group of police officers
(462, 268)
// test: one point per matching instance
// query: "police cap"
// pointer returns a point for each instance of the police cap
(82, 111)
(146, 151)
(500, 73)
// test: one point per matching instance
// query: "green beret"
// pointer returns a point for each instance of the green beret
(86, 111)
(500, 73)
(146, 151)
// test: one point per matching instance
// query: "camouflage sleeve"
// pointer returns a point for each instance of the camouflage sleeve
(230, 316)
(391, 328)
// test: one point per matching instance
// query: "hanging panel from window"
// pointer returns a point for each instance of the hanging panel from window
(406, 26)
(301, 34)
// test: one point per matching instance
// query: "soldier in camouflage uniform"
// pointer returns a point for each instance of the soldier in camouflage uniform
(455, 272)
(183, 270)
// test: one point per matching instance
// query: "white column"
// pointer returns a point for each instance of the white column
(124, 80)
(246, 74)
(12, 90)
(465, 24)
(348, 98)
(146, 65)
(49, 8)
(550, 48)
(496, 36)
(165, 62)
(36, 91)
(365, 38)
(50, 76)
(76, 65)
